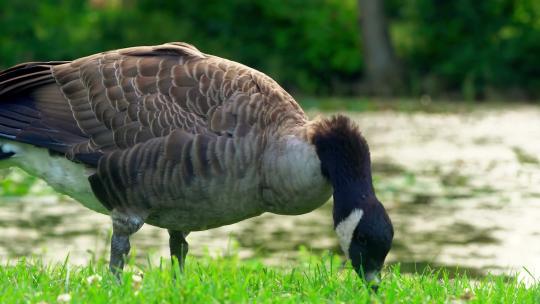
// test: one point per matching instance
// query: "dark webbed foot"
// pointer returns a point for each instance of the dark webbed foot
(178, 246)
(124, 225)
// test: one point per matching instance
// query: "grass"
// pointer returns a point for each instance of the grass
(229, 280)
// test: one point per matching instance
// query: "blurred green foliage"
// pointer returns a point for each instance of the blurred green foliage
(15, 182)
(478, 48)
(474, 49)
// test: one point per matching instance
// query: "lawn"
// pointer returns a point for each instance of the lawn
(229, 280)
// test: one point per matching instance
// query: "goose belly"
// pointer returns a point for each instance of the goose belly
(61, 174)
(211, 202)
(201, 217)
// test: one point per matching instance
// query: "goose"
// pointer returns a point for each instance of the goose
(179, 139)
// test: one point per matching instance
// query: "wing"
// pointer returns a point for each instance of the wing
(112, 101)
(150, 119)
(160, 171)
(129, 96)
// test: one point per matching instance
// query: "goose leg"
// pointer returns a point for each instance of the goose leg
(178, 246)
(124, 225)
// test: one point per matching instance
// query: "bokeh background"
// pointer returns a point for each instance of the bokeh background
(445, 92)
(460, 49)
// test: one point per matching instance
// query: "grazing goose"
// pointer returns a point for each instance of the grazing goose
(182, 140)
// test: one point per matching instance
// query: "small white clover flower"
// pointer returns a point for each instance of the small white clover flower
(64, 298)
(136, 281)
(95, 278)
(136, 278)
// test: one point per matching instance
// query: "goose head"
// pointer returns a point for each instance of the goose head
(362, 225)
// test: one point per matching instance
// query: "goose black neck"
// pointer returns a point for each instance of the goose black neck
(352, 189)
(345, 161)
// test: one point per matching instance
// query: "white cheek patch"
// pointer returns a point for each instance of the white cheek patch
(345, 229)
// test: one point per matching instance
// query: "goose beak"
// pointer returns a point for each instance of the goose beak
(373, 278)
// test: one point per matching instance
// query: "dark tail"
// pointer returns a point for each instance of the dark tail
(26, 76)
(33, 109)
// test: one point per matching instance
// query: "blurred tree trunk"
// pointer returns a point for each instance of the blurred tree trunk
(382, 67)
